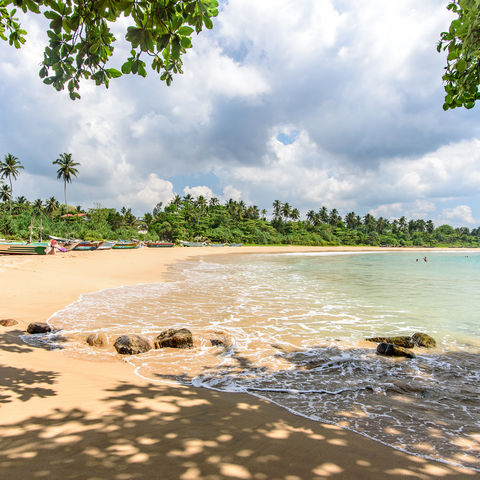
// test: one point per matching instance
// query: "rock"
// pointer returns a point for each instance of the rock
(132, 344)
(173, 338)
(97, 340)
(216, 342)
(423, 340)
(394, 351)
(39, 327)
(400, 341)
(8, 322)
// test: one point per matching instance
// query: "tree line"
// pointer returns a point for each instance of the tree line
(203, 219)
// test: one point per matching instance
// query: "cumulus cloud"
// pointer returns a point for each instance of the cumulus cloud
(460, 215)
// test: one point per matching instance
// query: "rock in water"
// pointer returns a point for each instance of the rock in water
(39, 327)
(394, 351)
(173, 338)
(423, 340)
(132, 344)
(400, 341)
(97, 340)
(8, 322)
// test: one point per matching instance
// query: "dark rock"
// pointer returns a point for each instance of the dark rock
(39, 327)
(394, 351)
(400, 341)
(132, 344)
(423, 340)
(216, 342)
(173, 338)
(8, 322)
(97, 340)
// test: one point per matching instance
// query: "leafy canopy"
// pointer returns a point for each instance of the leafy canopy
(81, 42)
(462, 42)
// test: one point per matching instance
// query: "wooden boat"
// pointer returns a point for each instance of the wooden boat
(127, 245)
(22, 248)
(192, 244)
(159, 244)
(107, 245)
(82, 246)
(67, 244)
(235, 244)
(216, 244)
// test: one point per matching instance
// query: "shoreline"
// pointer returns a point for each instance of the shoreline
(61, 411)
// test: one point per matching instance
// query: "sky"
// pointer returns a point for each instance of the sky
(311, 102)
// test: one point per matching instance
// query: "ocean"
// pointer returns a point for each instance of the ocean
(292, 330)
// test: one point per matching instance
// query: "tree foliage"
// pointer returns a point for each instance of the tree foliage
(462, 44)
(81, 41)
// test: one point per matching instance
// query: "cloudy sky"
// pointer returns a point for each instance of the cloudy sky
(314, 102)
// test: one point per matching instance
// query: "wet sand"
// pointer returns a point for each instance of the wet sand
(63, 417)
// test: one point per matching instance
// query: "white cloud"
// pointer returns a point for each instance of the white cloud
(200, 190)
(145, 194)
(460, 215)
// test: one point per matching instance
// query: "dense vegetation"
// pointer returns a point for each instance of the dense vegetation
(191, 218)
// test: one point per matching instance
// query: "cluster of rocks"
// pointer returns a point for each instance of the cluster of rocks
(135, 344)
(400, 346)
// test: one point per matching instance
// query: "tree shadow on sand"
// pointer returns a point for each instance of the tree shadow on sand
(163, 432)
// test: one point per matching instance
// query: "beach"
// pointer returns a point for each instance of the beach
(65, 417)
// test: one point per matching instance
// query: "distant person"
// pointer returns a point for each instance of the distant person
(425, 259)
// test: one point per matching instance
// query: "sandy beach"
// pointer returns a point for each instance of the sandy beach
(67, 418)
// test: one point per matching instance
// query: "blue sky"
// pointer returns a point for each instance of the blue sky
(314, 102)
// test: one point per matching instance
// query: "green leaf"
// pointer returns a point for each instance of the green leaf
(461, 65)
(114, 73)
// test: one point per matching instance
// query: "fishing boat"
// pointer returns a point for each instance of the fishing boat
(192, 244)
(216, 244)
(235, 244)
(159, 244)
(127, 245)
(22, 248)
(67, 244)
(83, 246)
(107, 245)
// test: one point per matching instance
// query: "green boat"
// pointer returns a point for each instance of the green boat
(125, 245)
(22, 248)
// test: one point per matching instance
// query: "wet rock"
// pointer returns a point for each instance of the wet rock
(132, 344)
(423, 340)
(216, 342)
(394, 351)
(173, 338)
(97, 340)
(8, 322)
(39, 327)
(401, 341)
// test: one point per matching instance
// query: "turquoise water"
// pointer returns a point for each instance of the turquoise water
(293, 327)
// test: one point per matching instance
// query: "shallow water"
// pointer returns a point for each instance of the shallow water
(293, 326)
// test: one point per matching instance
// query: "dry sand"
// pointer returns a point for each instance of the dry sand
(65, 418)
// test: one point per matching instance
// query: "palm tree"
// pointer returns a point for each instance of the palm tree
(277, 209)
(10, 168)
(51, 205)
(66, 171)
(6, 195)
(295, 214)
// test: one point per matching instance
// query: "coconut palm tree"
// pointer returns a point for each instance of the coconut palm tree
(66, 170)
(10, 168)
(51, 205)
(6, 195)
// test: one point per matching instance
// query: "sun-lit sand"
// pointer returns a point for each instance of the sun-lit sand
(66, 418)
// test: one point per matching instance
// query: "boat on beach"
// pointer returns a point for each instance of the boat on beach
(85, 246)
(106, 245)
(235, 244)
(192, 244)
(127, 245)
(159, 244)
(22, 248)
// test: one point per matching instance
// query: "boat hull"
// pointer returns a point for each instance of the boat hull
(159, 244)
(125, 246)
(23, 248)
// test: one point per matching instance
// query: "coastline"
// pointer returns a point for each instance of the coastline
(68, 418)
